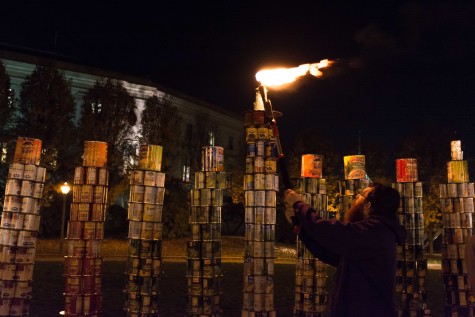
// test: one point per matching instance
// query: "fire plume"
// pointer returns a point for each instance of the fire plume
(282, 76)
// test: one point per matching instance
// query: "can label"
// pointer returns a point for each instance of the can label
(406, 170)
(311, 166)
(354, 167)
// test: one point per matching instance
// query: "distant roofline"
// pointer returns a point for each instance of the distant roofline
(63, 62)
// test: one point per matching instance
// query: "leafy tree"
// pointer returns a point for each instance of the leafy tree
(6, 123)
(6, 105)
(46, 111)
(162, 125)
(108, 115)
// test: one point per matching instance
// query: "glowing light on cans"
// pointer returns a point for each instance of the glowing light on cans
(281, 76)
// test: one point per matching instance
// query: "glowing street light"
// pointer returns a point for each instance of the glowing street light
(65, 188)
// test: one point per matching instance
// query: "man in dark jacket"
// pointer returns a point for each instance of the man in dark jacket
(362, 247)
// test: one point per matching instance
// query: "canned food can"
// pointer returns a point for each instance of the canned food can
(259, 181)
(27, 151)
(150, 195)
(13, 203)
(38, 190)
(150, 157)
(99, 194)
(259, 166)
(137, 177)
(249, 198)
(260, 148)
(160, 195)
(248, 182)
(259, 198)
(16, 170)
(89, 230)
(29, 172)
(13, 187)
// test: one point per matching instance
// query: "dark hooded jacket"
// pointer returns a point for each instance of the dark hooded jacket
(364, 253)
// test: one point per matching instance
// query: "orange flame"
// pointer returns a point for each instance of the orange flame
(282, 76)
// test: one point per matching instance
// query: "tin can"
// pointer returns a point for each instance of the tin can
(160, 195)
(38, 190)
(31, 222)
(259, 166)
(136, 177)
(27, 151)
(7, 220)
(406, 170)
(137, 193)
(271, 198)
(251, 149)
(86, 193)
(13, 187)
(311, 166)
(259, 198)
(260, 148)
(103, 177)
(212, 158)
(456, 152)
(249, 198)
(457, 171)
(354, 167)
(251, 134)
(95, 154)
(270, 166)
(248, 181)
(13, 203)
(91, 175)
(259, 181)
(150, 157)
(16, 170)
(40, 174)
(150, 213)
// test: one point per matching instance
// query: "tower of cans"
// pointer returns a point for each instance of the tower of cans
(456, 200)
(355, 181)
(83, 260)
(204, 249)
(147, 192)
(19, 227)
(411, 260)
(261, 184)
(311, 295)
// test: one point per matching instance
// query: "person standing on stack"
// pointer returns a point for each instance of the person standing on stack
(362, 247)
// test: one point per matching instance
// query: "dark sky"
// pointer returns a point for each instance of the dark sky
(403, 67)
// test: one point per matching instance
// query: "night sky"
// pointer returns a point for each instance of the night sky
(402, 68)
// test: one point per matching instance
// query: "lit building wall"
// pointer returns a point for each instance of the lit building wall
(82, 78)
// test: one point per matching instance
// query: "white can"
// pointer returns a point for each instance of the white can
(12, 203)
(16, 171)
(29, 172)
(27, 188)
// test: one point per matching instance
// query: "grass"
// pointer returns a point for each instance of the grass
(232, 248)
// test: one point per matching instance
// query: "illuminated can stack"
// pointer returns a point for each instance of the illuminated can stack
(311, 295)
(261, 184)
(355, 181)
(204, 249)
(147, 192)
(411, 260)
(456, 200)
(83, 261)
(19, 227)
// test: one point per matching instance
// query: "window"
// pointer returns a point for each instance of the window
(186, 170)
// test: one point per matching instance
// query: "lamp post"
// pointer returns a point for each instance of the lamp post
(65, 188)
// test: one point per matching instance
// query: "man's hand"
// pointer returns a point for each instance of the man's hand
(290, 198)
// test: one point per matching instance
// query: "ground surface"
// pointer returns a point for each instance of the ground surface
(48, 285)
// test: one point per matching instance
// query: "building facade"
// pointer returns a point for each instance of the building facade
(226, 127)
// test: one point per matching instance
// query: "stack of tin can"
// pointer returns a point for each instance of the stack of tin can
(204, 249)
(19, 227)
(411, 260)
(311, 295)
(261, 184)
(355, 181)
(83, 261)
(456, 200)
(147, 192)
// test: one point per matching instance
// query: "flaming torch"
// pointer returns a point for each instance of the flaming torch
(279, 77)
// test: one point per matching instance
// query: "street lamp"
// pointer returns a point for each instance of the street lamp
(65, 188)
